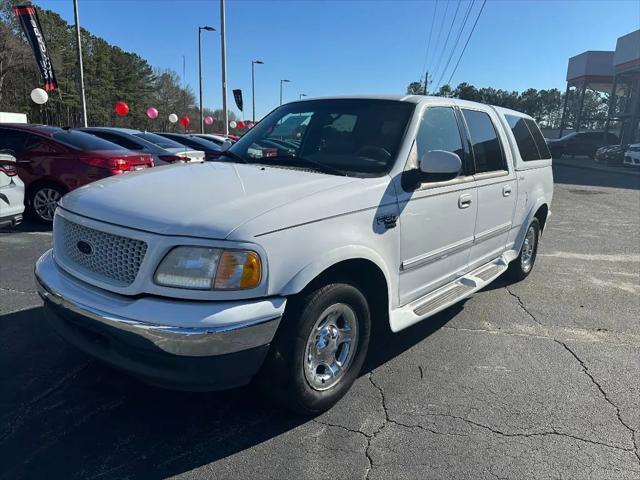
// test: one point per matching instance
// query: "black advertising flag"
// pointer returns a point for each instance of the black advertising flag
(31, 27)
(237, 95)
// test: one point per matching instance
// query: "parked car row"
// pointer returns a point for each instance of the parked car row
(581, 143)
(42, 163)
(624, 154)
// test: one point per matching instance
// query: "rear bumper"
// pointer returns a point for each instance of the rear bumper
(209, 354)
(11, 203)
(11, 220)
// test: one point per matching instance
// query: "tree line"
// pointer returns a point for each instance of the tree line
(110, 74)
(543, 105)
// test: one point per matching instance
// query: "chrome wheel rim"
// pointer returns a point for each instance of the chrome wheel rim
(45, 202)
(331, 346)
(528, 250)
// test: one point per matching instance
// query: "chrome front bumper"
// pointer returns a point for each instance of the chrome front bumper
(146, 334)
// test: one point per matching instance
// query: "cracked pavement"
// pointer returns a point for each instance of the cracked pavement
(539, 379)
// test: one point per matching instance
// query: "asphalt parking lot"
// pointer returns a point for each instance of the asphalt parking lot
(539, 379)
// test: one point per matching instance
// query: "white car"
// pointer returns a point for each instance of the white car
(11, 192)
(632, 155)
(384, 210)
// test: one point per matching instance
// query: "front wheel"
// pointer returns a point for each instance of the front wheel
(521, 267)
(43, 201)
(319, 349)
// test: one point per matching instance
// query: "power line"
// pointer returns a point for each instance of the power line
(446, 8)
(455, 44)
(446, 42)
(467, 42)
(426, 53)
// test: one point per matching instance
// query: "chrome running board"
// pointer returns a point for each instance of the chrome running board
(449, 294)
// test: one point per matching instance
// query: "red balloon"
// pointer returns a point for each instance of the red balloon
(122, 108)
(240, 124)
(184, 121)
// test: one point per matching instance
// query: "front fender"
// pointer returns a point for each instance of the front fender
(348, 252)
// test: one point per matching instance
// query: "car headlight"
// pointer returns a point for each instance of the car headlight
(204, 268)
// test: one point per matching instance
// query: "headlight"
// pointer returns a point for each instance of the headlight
(204, 268)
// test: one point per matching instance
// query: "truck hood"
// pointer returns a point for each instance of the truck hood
(207, 200)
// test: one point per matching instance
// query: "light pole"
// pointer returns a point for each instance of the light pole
(253, 85)
(208, 29)
(83, 100)
(302, 95)
(225, 111)
(281, 82)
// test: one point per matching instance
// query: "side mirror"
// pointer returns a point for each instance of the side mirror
(225, 145)
(439, 165)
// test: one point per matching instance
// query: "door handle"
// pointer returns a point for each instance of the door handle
(464, 201)
(506, 190)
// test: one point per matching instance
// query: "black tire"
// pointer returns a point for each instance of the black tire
(519, 270)
(283, 377)
(33, 203)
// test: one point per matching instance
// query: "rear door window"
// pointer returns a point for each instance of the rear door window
(487, 150)
(12, 139)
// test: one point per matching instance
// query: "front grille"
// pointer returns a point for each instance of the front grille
(108, 257)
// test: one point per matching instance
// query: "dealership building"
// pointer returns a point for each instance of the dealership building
(614, 75)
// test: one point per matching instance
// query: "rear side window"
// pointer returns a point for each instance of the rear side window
(529, 139)
(159, 140)
(118, 140)
(84, 141)
(193, 142)
(524, 138)
(487, 150)
(541, 143)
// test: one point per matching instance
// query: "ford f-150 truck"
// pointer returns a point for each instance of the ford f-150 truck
(372, 214)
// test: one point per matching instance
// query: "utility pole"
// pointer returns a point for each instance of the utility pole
(224, 69)
(83, 99)
(426, 83)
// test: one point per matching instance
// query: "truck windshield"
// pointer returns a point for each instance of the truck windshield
(356, 136)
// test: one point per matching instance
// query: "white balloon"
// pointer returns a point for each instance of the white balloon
(39, 96)
(173, 118)
(233, 124)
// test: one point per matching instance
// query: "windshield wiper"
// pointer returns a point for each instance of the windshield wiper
(313, 164)
(235, 156)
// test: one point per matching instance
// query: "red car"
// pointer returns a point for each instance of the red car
(52, 161)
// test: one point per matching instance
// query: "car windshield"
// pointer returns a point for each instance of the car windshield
(159, 140)
(346, 136)
(84, 141)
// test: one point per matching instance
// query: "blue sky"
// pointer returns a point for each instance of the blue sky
(355, 46)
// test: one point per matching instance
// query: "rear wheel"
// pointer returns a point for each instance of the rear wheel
(43, 200)
(319, 349)
(521, 267)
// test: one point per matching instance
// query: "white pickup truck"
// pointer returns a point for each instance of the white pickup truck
(330, 219)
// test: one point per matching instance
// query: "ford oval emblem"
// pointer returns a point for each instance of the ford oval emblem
(84, 247)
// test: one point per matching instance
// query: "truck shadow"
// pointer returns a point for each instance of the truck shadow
(64, 415)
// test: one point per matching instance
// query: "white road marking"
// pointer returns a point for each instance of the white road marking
(596, 257)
